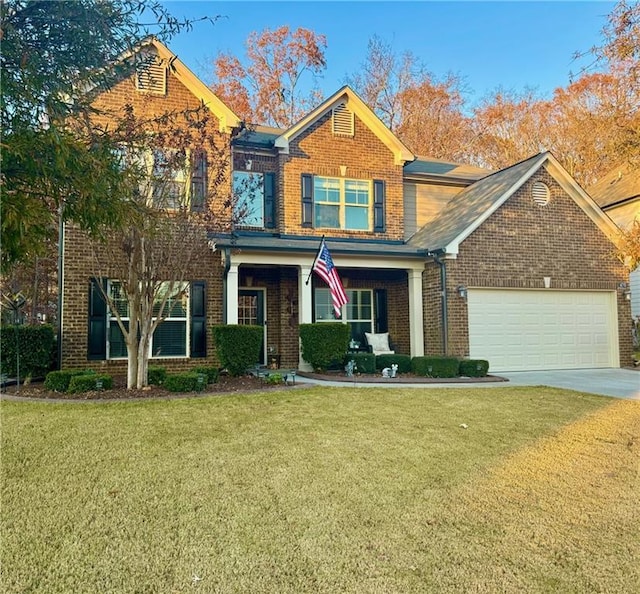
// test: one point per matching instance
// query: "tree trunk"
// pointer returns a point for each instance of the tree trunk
(143, 357)
(132, 363)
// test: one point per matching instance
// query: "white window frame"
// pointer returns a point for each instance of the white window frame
(111, 319)
(328, 313)
(341, 184)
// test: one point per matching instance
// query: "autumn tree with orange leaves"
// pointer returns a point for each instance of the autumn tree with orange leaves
(424, 112)
(276, 83)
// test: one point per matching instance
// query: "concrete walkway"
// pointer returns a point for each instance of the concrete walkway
(618, 383)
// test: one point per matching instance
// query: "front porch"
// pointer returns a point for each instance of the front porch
(276, 289)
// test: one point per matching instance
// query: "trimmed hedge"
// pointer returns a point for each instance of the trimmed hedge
(238, 346)
(58, 381)
(211, 373)
(187, 381)
(87, 383)
(365, 362)
(435, 366)
(324, 343)
(156, 375)
(36, 345)
(474, 367)
(402, 361)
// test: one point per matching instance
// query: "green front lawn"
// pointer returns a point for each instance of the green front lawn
(324, 490)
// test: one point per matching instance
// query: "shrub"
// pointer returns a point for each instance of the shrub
(211, 373)
(87, 382)
(187, 381)
(365, 362)
(273, 378)
(58, 381)
(402, 361)
(36, 346)
(238, 346)
(323, 343)
(435, 366)
(156, 375)
(474, 367)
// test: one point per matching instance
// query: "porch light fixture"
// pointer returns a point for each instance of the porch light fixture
(462, 291)
(626, 290)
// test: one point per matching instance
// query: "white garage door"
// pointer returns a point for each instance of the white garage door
(526, 330)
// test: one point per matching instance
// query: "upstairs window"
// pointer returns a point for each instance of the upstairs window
(254, 199)
(342, 203)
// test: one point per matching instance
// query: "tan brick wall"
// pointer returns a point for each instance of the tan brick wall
(318, 151)
(519, 245)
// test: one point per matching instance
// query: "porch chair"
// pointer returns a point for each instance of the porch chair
(378, 343)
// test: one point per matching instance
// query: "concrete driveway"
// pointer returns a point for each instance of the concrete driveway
(618, 383)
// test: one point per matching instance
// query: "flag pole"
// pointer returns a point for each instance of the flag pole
(315, 260)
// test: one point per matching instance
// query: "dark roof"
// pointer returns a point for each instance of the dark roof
(258, 136)
(619, 185)
(430, 167)
(275, 243)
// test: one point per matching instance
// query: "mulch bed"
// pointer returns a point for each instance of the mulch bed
(225, 385)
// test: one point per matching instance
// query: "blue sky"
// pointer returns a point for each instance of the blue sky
(512, 45)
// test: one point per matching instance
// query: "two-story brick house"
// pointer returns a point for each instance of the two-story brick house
(515, 266)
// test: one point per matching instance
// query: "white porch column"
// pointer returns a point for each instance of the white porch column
(231, 295)
(305, 311)
(416, 318)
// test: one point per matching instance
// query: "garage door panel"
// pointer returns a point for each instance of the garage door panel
(520, 330)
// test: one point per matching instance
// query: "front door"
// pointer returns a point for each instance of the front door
(251, 312)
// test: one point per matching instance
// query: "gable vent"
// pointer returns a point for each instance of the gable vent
(540, 193)
(151, 76)
(342, 121)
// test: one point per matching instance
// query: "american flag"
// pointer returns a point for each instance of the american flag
(327, 271)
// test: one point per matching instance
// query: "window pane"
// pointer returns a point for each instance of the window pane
(176, 305)
(327, 216)
(356, 217)
(117, 346)
(326, 189)
(116, 293)
(248, 196)
(356, 192)
(170, 339)
(324, 311)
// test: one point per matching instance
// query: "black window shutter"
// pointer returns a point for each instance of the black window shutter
(198, 179)
(307, 200)
(378, 206)
(380, 300)
(269, 200)
(198, 319)
(97, 322)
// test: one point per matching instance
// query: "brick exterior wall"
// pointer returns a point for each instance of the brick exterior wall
(318, 151)
(80, 265)
(515, 248)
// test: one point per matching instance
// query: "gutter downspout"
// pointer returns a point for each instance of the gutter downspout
(437, 258)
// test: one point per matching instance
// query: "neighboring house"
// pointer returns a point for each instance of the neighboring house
(618, 194)
(515, 266)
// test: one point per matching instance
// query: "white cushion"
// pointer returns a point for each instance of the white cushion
(379, 343)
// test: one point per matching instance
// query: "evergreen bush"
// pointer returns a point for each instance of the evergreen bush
(58, 381)
(474, 367)
(238, 346)
(211, 373)
(324, 343)
(35, 345)
(156, 375)
(88, 382)
(365, 362)
(435, 366)
(187, 381)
